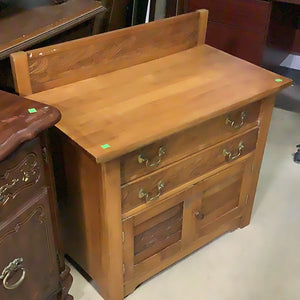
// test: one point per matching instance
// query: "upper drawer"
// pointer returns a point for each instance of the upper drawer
(21, 176)
(187, 142)
(150, 188)
(251, 15)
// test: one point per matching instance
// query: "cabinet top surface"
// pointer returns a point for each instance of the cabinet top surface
(21, 120)
(118, 112)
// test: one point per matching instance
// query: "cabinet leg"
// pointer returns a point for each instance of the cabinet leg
(130, 288)
(66, 282)
(264, 119)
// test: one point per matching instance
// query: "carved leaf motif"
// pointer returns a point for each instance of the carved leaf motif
(26, 173)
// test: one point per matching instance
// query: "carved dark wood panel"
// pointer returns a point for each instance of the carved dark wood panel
(21, 176)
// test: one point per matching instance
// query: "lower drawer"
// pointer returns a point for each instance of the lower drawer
(151, 188)
(161, 234)
(28, 262)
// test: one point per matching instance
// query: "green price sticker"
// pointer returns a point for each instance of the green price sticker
(32, 110)
(105, 146)
(278, 80)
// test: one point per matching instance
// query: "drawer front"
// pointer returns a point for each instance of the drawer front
(21, 176)
(195, 215)
(153, 187)
(187, 142)
(28, 254)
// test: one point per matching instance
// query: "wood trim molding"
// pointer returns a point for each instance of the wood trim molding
(20, 71)
(203, 18)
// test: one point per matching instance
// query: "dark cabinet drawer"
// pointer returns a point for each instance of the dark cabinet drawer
(21, 177)
(28, 253)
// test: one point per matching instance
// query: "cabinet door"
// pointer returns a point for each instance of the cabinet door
(162, 234)
(216, 202)
(28, 261)
(147, 235)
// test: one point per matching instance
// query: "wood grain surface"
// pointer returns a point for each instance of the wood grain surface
(136, 106)
(91, 56)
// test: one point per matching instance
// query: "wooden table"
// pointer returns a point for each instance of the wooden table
(22, 27)
(162, 138)
(31, 258)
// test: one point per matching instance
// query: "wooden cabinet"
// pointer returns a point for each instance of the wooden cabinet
(162, 139)
(31, 260)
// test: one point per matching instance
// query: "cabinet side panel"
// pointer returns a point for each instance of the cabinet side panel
(264, 121)
(111, 230)
(79, 209)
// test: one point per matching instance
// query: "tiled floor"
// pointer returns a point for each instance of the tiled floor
(259, 262)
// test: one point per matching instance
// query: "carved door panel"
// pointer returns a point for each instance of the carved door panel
(28, 263)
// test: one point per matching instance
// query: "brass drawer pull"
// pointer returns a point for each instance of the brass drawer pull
(161, 152)
(230, 156)
(5, 187)
(146, 195)
(10, 269)
(233, 124)
(199, 215)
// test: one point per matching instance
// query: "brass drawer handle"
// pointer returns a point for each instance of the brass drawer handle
(233, 124)
(230, 156)
(161, 152)
(5, 187)
(11, 268)
(146, 195)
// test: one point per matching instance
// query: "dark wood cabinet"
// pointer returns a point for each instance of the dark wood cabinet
(247, 28)
(238, 27)
(31, 261)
